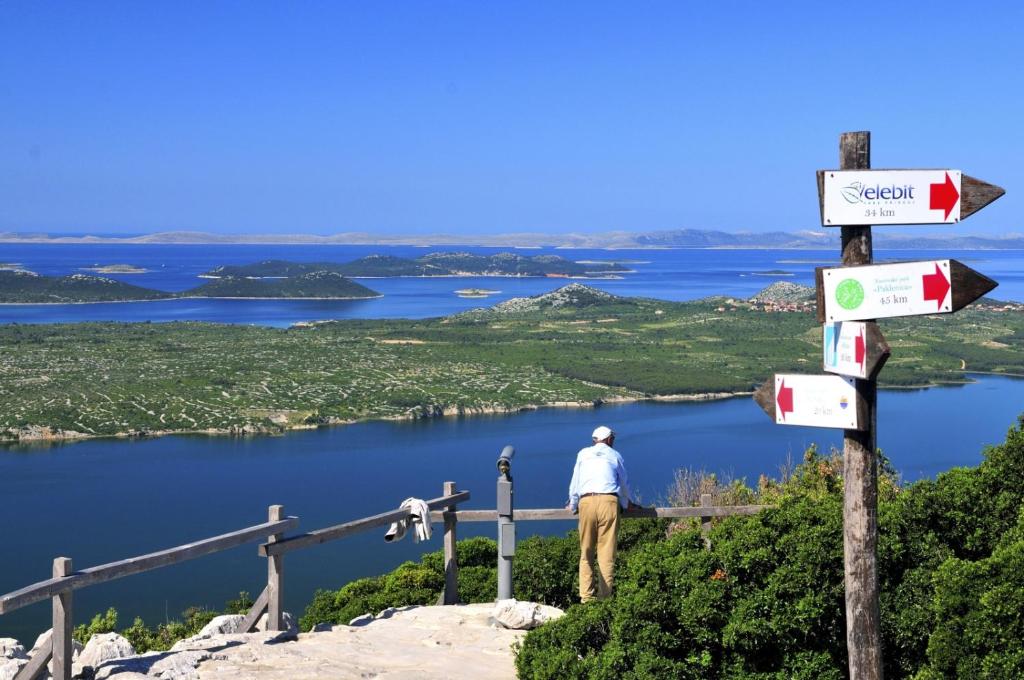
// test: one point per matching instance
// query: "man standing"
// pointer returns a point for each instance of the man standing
(598, 489)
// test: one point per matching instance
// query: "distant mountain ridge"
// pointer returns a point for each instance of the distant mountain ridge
(674, 238)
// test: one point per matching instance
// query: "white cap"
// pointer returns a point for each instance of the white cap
(602, 433)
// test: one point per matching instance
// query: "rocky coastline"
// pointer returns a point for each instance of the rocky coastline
(45, 434)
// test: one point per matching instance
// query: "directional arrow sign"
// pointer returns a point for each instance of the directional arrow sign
(902, 289)
(859, 197)
(814, 400)
(854, 348)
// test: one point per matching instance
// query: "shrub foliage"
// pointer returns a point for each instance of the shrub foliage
(766, 601)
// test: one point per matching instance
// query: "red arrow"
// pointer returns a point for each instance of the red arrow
(858, 349)
(784, 399)
(935, 286)
(943, 196)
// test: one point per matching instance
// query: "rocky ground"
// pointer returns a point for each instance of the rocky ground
(425, 643)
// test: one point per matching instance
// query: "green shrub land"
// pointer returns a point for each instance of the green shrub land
(766, 601)
(103, 379)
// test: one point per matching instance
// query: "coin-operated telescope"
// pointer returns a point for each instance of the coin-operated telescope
(506, 523)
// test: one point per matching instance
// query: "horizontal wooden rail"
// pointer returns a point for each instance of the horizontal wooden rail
(561, 513)
(134, 565)
(354, 527)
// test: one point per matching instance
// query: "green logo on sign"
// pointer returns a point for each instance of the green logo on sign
(849, 294)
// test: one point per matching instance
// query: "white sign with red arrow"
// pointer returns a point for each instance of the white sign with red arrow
(853, 348)
(816, 401)
(901, 289)
(859, 197)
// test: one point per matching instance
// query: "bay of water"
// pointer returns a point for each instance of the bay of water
(103, 500)
(670, 274)
(99, 501)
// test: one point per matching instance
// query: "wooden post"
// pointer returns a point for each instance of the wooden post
(705, 520)
(451, 560)
(860, 474)
(62, 623)
(275, 576)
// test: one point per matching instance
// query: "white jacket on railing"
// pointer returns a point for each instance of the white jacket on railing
(419, 516)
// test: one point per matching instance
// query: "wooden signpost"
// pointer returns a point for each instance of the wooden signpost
(850, 298)
(901, 289)
(856, 349)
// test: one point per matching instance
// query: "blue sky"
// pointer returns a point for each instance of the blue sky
(490, 117)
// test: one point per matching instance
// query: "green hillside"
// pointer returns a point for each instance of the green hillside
(574, 345)
(28, 287)
(316, 284)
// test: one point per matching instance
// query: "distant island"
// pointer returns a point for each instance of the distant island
(294, 280)
(475, 292)
(817, 238)
(314, 284)
(21, 287)
(117, 269)
(433, 264)
(575, 346)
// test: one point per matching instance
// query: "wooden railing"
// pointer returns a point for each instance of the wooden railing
(270, 534)
(275, 545)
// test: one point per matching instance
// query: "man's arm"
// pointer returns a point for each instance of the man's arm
(622, 479)
(574, 489)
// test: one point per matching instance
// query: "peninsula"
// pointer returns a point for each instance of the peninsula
(24, 287)
(433, 264)
(576, 346)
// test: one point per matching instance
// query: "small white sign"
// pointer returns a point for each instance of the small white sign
(845, 348)
(864, 197)
(816, 400)
(887, 290)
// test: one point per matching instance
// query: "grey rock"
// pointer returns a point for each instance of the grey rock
(11, 649)
(105, 647)
(361, 620)
(523, 615)
(291, 628)
(181, 666)
(228, 624)
(166, 665)
(10, 667)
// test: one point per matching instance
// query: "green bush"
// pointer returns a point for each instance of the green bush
(144, 639)
(101, 623)
(409, 584)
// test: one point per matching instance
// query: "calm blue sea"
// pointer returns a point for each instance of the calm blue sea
(99, 501)
(673, 274)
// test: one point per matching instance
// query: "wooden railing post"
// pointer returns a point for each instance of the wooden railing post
(62, 623)
(451, 560)
(705, 521)
(275, 576)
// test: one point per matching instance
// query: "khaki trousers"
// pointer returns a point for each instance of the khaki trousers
(599, 533)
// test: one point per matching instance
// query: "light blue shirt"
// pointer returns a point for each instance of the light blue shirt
(599, 469)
